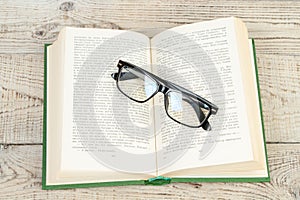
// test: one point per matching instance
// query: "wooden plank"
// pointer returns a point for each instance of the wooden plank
(21, 94)
(273, 21)
(280, 96)
(21, 98)
(20, 169)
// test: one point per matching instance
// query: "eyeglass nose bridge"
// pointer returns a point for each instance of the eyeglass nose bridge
(163, 89)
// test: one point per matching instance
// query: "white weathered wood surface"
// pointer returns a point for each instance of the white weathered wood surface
(26, 25)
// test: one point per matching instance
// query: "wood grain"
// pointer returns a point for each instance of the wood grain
(20, 170)
(26, 25)
(32, 25)
(280, 96)
(21, 92)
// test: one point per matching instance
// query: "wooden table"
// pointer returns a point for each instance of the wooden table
(26, 25)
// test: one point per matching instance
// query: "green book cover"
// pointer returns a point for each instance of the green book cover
(160, 180)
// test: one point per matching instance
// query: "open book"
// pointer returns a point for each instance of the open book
(96, 136)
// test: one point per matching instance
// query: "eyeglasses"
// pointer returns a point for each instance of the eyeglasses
(181, 105)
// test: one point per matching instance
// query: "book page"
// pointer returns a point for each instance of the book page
(104, 131)
(202, 58)
(54, 102)
(256, 168)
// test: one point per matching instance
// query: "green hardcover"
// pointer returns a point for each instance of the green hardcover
(160, 180)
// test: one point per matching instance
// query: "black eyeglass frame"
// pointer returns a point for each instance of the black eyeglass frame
(166, 87)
